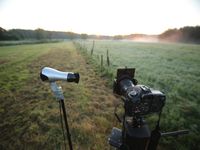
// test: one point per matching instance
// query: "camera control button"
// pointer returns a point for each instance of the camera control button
(145, 88)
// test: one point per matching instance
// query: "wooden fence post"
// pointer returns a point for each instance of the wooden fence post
(101, 62)
(108, 60)
(92, 48)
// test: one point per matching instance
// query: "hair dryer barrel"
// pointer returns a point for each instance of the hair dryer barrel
(51, 75)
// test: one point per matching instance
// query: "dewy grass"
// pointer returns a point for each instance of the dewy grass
(170, 67)
(30, 114)
(14, 69)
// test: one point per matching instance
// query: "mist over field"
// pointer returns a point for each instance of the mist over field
(182, 35)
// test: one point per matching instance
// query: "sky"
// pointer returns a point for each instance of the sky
(103, 17)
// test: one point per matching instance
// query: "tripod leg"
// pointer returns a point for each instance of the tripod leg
(66, 124)
(155, 137)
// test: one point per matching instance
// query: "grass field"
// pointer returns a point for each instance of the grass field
(22, 42)
(171, 68)
(28, 111)
(30, 115)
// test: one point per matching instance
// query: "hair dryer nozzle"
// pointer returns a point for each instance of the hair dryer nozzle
(73, 77)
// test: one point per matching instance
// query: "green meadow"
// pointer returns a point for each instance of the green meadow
(170, 67)
(30, 114)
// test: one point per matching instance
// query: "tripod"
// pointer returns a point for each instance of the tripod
(136, 135)
(57, 90)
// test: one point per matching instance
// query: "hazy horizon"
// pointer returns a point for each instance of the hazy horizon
(99, 34)
(100, 17)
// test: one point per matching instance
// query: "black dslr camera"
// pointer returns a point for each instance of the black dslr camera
(139, 100)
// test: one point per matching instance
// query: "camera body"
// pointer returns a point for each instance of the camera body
(139, 100)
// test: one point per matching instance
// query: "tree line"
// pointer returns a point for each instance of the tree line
(38, 34)
(185, 34)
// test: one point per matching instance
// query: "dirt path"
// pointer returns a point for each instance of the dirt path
(32, 119)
